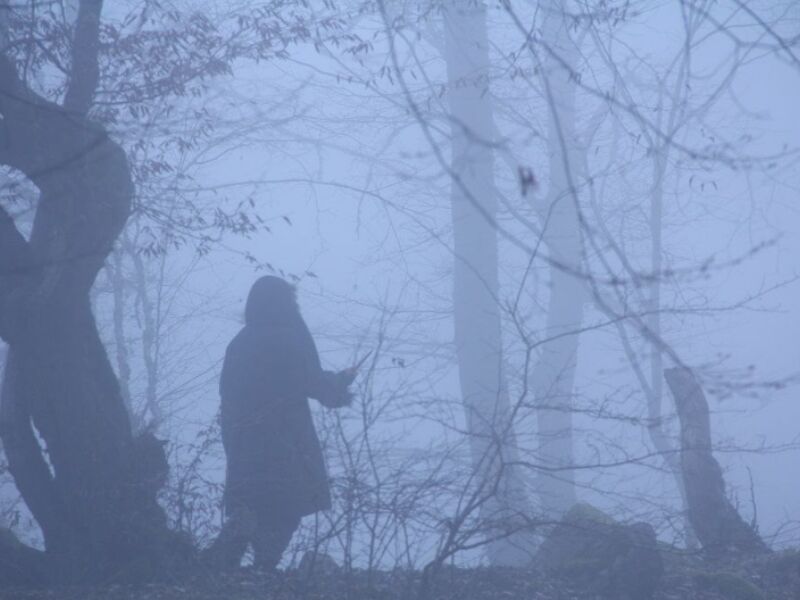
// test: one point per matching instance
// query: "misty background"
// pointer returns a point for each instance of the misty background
(331, 164)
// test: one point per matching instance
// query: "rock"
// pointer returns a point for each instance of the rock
(612, 559)
(789, 559)
(318, 563)
(731, 586)
(783, 568)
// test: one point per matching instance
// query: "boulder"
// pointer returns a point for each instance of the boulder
(730, 585)
(595, 552)
(317, 563)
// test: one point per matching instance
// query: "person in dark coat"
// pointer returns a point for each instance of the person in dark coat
(275, 469)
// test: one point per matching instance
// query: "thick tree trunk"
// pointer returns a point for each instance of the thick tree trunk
(19, 564)
(88, 489)
(719, 527)
(476, 306)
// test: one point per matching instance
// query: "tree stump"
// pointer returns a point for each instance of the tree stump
(719, 527)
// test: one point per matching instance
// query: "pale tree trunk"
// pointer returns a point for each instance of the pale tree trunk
(553, 377)
(129, 293)
(655, 391)
(150, 327)
(475, 297)
(119, 297)
(652, 382)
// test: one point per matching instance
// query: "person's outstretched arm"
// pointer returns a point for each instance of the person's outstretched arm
(328, 387)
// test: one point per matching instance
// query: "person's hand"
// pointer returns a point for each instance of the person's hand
(347, 376)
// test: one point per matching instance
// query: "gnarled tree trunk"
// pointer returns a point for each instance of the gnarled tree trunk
(89, 487)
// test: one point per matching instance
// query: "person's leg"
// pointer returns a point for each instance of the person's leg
(237, 532)
(273, 534)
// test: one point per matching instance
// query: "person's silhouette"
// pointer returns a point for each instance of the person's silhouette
(275, 470)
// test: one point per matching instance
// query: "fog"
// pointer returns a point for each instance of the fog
(519, 215)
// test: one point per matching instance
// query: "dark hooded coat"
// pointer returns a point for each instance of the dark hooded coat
(273, 454)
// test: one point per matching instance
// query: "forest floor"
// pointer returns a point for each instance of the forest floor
(776, 579)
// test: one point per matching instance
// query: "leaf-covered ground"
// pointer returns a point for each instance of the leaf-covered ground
(774, 578)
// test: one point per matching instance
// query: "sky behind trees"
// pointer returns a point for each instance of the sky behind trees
(329, 161)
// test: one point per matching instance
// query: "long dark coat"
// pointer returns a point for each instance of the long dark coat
(273, 453)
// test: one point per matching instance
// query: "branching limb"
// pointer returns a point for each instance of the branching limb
(85, 71)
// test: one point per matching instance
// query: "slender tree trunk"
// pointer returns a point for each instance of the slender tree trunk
(134, 293)
(553, 377)
(655, 390)
(150, 319)
(475, 297)
(119, 296)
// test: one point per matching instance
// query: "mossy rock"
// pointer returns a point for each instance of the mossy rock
(786, 562)
(782, 570)
(609, 558)
(731, 586)
(586, 512)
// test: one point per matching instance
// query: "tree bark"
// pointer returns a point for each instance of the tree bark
(717, 524)
(86, 488)
(655, 392)
(477, 317)
(19, 564)
(553, 377)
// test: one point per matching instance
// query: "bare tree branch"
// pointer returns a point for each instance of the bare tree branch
(85, 71)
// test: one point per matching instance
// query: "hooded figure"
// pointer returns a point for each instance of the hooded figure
(275, 469)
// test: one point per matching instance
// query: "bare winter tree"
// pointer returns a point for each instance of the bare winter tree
(477, 314)
(89, 483)
(553, 377)
(95, 509)
(96, 124)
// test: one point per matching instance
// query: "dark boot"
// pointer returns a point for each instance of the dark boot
(272, 537)
(228, 549)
